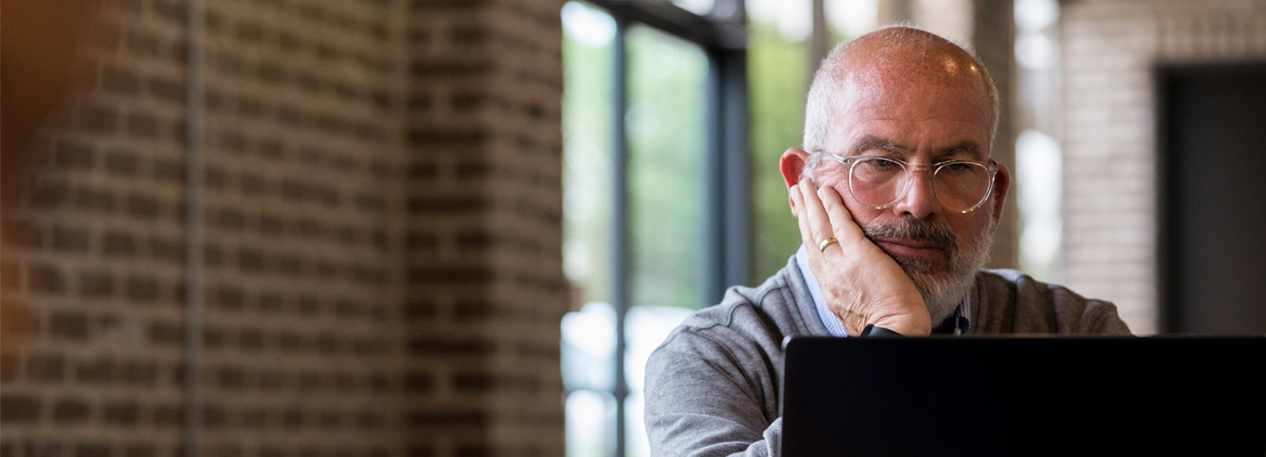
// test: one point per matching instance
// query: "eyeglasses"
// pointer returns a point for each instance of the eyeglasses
(880, 182)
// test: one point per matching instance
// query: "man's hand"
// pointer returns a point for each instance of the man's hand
(861, 283)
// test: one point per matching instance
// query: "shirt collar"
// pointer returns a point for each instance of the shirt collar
(961, 318)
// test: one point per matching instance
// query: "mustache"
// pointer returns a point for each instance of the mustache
(921, 230)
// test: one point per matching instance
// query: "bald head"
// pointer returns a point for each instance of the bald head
(893, 63)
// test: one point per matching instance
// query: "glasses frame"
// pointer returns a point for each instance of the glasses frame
(932, 169)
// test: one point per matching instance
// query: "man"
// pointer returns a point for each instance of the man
(897, 200)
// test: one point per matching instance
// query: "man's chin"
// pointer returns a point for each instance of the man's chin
(944, 285)
(927, 267)
(943, 280)
(941, 291)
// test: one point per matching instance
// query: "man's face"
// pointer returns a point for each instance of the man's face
(920, 124)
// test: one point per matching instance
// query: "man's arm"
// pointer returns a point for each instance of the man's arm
(704, 398)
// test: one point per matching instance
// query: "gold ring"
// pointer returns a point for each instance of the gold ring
(827, 242)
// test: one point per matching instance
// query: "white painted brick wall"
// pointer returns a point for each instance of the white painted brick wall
(1109, 50)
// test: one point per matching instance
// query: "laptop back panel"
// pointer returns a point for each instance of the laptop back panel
(1024, 396)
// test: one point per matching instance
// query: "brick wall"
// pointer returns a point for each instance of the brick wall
(1109, 48)
(383, 236)
(96, 255)
(486, 291)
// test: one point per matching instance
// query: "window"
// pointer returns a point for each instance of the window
(655, 195)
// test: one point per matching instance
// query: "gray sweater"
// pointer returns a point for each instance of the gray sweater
(712, 387)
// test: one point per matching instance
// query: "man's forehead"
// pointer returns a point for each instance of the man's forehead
(910, 119)
(914, 102)
(891, 85)
(872, 144)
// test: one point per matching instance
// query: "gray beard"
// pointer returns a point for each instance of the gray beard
(941, 295)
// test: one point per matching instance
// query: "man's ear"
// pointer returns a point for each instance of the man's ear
(1001, 184)
(791, 165)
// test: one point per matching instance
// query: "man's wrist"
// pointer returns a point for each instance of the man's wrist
(875, 331)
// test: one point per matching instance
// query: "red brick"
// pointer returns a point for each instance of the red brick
(94, 200)
(45, 368)
(49, 195)
(166, 333)
(168, 171)
(95, 371)
(118, 244)
(8, 366)
(99, 119)
(40, 448)
(168, 416)
(92, 450)
(19, 408)
(71, 411)
(143, 206)
(122, 413)
(171, 11)
(143, 125)
(72, 325)
(70, 155)
(119, 79)
(21, 233)
(142, 289)
(140, 450)
(96, 284)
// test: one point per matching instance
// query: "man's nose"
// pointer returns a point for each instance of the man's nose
(920, 199)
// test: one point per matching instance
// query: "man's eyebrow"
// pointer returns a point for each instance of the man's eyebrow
(870, 143)
(968, 148)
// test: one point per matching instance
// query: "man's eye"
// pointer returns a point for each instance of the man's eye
(957, 167)
(881, 163)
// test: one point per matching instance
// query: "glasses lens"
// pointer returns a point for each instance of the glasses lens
(961, 186)
(876, 181)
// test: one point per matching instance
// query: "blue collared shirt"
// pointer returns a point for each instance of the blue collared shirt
(832, 322)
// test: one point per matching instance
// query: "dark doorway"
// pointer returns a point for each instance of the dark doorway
(1212, 141)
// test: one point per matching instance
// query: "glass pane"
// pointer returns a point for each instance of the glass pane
(849, 19)
(588, 352)
(667, 92)
(590, 424)
(700, 7)
(777, 74)
(638, 445)
(588, 345)
(646, 327)
(587, 195)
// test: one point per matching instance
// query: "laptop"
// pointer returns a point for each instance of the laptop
(1024, 396)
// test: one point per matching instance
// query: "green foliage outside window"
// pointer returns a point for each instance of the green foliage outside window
(777, 76)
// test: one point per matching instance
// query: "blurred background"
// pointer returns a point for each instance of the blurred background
(332, 228)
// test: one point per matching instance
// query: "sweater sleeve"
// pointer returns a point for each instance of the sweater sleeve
(701, 402)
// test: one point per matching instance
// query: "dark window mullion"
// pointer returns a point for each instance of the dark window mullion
(620, 221)
(726, 253)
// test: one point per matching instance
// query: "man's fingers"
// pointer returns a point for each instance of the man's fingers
(819, 222)
(810, 236)
(841, 221)
(802, 220)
